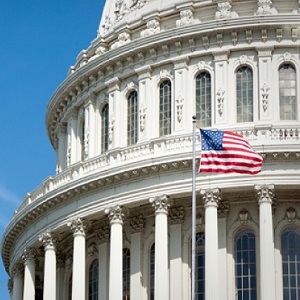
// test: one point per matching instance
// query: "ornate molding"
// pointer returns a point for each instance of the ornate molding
(79, 226)
(103, 235)
(211, 197)
(265, 193)
(161, 204)
(116, 214)
(137, 224)
(176, 215)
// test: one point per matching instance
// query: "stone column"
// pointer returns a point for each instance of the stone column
(161, 206)
(137, 227)
(49, 241)
(103, 252)
(72, 138)
(10, 286)
(211, 200)
(89, 136)
(176, 218)
(222, 247)
(17, 275)
(265, 195)
(61, 267)
(29, 257)
(78, 227)
(116, 217)
(62, 149)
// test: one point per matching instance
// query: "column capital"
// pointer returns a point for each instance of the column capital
(211, 197)
(176, 215)
(29, 254)
(116, 214)
(17, 270)
(103, 235)
(79, 226)
(161, 203)
(265, 193)
(49, 240)
(137, 224)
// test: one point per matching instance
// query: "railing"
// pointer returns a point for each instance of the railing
(268, 136)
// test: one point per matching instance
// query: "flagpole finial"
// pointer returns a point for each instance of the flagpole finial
(194, 119)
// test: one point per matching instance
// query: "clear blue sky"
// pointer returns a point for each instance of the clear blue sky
(39, 41)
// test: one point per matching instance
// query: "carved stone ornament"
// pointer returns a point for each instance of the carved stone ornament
(92, 249)
(137, 224)
(79, 225)
(165, 74)
(291, 214)
(265, 193)
(123, 38)
(223, 209)
(18, 270)
(211, 197)
(243, 59)
(116, 213)
(111, 127)
(224, 11)
(142, 118)
(179, 106)
(49, 240)
(200, 221)
(68, 156)
(104, 234)
(244, 216)
(153, 27)
(176, 215)
(264, 8)
(265, 96)
(161, 204)
(29, 254)
(186, 18)
(220, 100)
(287, 56)
(10, 285)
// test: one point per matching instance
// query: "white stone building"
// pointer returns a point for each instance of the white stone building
(114, 222)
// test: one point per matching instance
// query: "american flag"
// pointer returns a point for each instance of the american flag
(227, 152)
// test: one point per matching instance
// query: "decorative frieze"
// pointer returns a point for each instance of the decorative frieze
(176, 215)
(137, 224)
(161, 203)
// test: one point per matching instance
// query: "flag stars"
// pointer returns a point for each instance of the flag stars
(212, 140)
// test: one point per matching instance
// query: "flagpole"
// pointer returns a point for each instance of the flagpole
(193, 212)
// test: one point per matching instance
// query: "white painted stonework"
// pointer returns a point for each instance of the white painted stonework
(104, 200)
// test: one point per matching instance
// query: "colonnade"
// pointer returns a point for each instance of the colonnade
(168, 253)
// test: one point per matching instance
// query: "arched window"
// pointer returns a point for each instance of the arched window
(203, 99)
(152, 271)
(200, 266)
(165, 114)
(244, 94)
(245, 264)
(126, 274)
(132, 118)
(93, 280)
(287, 92)
(290, 249)
(104, 128)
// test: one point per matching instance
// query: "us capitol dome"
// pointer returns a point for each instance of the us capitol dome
(115, 221)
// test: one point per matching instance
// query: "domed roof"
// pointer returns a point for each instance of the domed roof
(119, 12)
